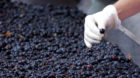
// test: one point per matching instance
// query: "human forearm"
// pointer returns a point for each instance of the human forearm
(127, 8)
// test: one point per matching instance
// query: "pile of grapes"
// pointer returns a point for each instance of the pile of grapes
(41, 42)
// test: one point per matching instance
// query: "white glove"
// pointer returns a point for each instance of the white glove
(96, 24)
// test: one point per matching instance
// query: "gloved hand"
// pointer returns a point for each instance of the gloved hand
(96, 24)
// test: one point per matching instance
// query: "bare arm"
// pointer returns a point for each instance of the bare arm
(127, 8)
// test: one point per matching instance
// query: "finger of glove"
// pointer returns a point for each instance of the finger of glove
(101, 25)
(89, 45)
(101, 22)
(90, 23)
(91, 41)
(92, 35)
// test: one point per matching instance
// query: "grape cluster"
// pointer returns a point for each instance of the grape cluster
(47, 42)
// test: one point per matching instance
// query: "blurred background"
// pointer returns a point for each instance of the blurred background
(127, 37)
(54, 2)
